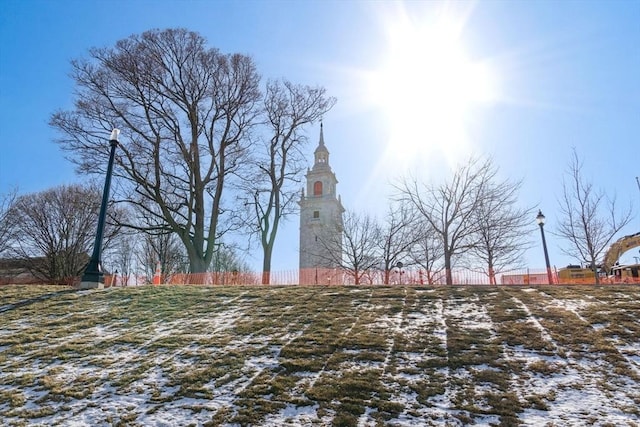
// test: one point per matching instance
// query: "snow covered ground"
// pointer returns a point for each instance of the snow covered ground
(361, 356)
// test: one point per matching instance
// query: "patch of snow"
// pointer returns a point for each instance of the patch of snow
(365, 419)
(578, 389)
(292, 415)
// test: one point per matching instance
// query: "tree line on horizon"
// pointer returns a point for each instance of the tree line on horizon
(208, 154)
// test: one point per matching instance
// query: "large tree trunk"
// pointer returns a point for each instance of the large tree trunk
(266, 265)
(595, 271)
(447, 268)
(197, 265)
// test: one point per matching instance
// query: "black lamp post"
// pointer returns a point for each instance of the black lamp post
(93, 276)
(540, 221)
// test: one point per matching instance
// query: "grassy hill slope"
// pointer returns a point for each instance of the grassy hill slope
(367, 356)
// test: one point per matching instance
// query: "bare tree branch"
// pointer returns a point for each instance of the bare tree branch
(55, 230)
(589, 219)
(185, 112)
(399, 234)
(503, 227)
(270, 190)
(448, 209)
(354, 249)
(428, 252)
(7, 221)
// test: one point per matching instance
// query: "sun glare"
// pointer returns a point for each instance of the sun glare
(427, 85)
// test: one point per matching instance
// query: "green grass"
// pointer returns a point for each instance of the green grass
(342, 355)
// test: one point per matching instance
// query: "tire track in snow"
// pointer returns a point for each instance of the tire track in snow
(536, 323)
(574, 305)
(226, 392)
(395, 331)
(470, 316)
(425, 328)
(309, 414)
(346, 333)
(578, 390)
(153, 375)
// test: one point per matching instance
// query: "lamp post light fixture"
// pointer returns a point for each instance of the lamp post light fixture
(399, 266)
(540, 220)
(93, 276)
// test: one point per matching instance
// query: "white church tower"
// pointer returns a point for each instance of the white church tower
(320, 219)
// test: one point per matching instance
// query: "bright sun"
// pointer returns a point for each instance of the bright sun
(427, 85)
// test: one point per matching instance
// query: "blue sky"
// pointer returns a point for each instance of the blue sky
(563, 74)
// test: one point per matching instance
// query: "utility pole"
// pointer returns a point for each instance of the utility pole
(638, 182)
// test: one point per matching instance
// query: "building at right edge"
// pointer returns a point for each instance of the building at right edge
(321, 223)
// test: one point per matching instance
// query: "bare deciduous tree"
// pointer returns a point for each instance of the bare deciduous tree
(163, 249)
(55, 230)
(448, 208)
(184, 110)
(7, 221)
(272, 187)
(398, 235)
(427, 253)
(503, 227)
(121, 257)
(589, 219)
(227, 259)
(359, 246)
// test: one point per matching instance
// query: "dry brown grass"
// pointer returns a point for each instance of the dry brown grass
(341, 355)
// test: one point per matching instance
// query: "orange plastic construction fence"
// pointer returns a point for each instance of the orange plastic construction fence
(331, 276)
(328, 276)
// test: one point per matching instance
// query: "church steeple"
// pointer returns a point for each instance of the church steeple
(320, 217)
(321, 154)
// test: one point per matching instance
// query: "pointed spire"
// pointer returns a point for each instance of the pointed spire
(321, 147)
(321, 135)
